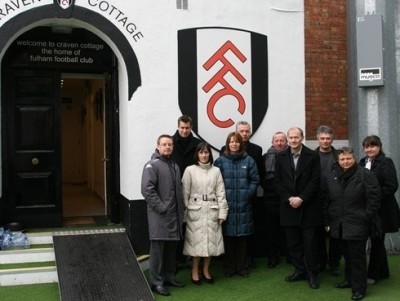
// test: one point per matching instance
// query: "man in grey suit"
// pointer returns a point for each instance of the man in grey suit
(297, 181)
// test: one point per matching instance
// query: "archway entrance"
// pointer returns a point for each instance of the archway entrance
(58, 129)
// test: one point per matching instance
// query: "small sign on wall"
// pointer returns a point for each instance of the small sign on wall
(370, 51)
(44, 48)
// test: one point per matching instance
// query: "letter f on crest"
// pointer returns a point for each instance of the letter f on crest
(227, 89)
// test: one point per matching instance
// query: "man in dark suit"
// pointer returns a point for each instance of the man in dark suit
(297, 181)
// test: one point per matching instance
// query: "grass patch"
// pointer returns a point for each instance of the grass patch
(27, 265)
(41, 246)
(39, 292)
(268, 284)
(263, 284)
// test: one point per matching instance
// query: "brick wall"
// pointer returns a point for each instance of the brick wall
(326, 66)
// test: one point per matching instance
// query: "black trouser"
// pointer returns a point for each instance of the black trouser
(302, 244)
(273, 230)
(256, 242)
(180, 258)
(378, 267)
(162, 261)
(235, 257)
(355, 263)
(334, 252)
(328, 255)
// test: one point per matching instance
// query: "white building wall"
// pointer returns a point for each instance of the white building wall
(154, 108)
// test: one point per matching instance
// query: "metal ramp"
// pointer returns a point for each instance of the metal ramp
(98, 266)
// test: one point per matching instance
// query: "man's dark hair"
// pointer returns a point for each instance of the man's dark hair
(185, 119)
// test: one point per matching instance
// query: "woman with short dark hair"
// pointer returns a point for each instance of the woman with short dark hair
(389, 213)
(206, 210)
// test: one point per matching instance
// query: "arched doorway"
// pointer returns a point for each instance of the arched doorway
(52, 137)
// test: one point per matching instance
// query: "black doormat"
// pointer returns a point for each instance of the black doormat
(99, 267)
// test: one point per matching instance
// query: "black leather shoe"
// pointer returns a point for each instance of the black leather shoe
(252, 263)
(229, 274)
(335, 271)
(296, 276)
(343, 284)
(313, 282)
(273, 262)
(174, 283)
(357, 296)
(161, 290)
(321, 267)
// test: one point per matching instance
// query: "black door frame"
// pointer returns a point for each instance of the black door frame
(112, 143)
(45, 14)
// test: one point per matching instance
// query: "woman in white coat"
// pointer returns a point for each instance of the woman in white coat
(206, 210)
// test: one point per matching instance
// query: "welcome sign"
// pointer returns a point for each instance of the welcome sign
(43, 48)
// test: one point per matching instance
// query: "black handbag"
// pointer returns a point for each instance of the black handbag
(375, 228)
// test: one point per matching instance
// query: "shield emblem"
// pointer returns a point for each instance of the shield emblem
(64, 4)
(223, 79)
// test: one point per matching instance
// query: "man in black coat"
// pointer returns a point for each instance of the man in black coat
(297, 181)
(184, 143)
(328, 156)
(183, 153)
(275, 237)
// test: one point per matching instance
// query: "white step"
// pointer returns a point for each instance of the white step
(27, 255)
(28, 276)
(40, 238)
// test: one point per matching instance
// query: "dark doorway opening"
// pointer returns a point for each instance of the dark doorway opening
(60, 130)
(83, 148)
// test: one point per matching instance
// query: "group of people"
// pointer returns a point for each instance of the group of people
(208, 205)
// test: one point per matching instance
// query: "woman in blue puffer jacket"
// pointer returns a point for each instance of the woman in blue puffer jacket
(241, 180)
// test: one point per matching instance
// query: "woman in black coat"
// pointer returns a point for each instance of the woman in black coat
(389, 212)
(352, 197)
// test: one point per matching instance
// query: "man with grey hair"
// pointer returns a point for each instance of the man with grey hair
(274, 235)
(328, 156)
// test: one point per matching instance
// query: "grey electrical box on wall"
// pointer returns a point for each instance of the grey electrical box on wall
(369, 51)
